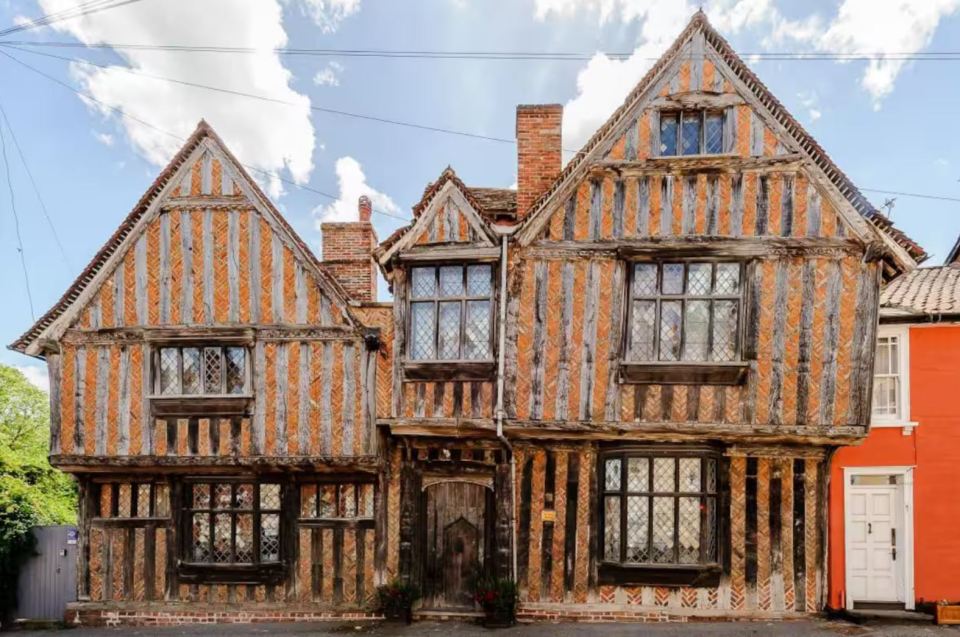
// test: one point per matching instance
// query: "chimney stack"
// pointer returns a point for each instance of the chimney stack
(538, 151)
(348, 253)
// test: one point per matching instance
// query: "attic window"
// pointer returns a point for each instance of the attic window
(691, 133)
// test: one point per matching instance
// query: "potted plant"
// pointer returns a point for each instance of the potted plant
(498, 598)
(396, 599)
(947, 613)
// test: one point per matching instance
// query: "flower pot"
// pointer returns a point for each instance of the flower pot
(948, 614)
(499, 619)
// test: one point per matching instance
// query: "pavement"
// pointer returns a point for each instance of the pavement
(811, 628)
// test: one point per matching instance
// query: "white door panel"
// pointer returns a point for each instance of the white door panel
(874, 574)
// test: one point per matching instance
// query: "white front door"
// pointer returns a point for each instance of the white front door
(874, 564)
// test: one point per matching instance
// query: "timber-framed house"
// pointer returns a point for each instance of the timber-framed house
(620, 383)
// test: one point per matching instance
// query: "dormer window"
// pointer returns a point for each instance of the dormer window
(691, 133)
(451, 313)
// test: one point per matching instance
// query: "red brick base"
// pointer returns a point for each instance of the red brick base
(81, 614)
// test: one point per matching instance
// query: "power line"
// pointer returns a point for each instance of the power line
(16, 222)
(321, 109)
(82, 9)
(181, 139)
(36, 190)
(494, 55)
(275, 100)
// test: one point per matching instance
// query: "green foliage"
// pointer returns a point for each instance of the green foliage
(396, 599)
(32, 492)
(497, 596)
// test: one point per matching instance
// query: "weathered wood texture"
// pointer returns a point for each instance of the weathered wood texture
(448, 224)
(809, 336)
(309, 397)
(555, 505)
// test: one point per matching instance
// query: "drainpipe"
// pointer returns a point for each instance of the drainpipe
(502, 338)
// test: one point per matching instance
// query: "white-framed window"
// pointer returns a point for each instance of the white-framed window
(891, 377)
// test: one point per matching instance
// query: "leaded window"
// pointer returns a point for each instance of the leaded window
(691, 133)
(685, 312)
(659, 509)
(451, 312)
(201, 370)
(232, 522)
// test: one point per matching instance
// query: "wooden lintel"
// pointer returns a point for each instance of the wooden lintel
(454, 251)
(442, 427)
(215, 464)
(680, 164)
(222, 335)
(449, 370)
(697, 100)
(697, 246)
(201, 406)
(177, 203)
(684, 374)
(775, 451)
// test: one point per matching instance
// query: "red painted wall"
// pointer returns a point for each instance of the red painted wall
(934, 449)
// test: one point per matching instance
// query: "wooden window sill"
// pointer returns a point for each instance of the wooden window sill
(197, 573)
(683, 373)
(449, 370)
(200, 405)
(660, 575)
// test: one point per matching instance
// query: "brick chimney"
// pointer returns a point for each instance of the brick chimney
(348, 253)
(538, 151)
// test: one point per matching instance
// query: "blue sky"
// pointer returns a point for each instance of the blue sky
(888, 126)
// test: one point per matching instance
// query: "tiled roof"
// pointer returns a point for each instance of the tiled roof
(495, 202)
(926, 291)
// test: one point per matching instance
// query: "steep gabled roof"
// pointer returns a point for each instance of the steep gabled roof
(472, 207)
(752, 83)
(122, 237)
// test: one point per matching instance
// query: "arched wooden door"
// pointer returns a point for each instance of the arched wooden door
(456, 538)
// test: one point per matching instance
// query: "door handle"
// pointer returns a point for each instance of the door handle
(893, 543)
(869, 528)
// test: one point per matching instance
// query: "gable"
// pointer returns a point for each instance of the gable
(203, 247)
(446, 215)
(701, 71)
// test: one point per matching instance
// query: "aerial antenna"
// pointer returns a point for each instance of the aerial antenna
(888, 206)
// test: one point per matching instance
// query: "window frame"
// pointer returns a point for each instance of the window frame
(455, 368)
(255, 572)
(187, 405)
(681, 371)
(902, 417)
(156, 369)
(680, 114)
(666, 574)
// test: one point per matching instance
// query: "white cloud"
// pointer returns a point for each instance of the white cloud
(811, 102)
(328, 14)
(604, 83)
(104, 138)
(271, 137)
(329, 75)
(352, 183)
(36, 375)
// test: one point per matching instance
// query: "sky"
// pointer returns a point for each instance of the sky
(889, 124)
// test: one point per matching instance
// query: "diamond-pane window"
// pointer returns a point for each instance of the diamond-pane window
(195, 371)
(191, 370)
(713, 134)
(236, 365)
(169, 370)
(685, 312)
(691, 133)
(668, 134)
(223, 522)
(448, 336)
(651, 518)
(212, 370)
(345, 501)
(450, 313)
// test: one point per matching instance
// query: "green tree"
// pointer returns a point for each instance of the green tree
(31, 491)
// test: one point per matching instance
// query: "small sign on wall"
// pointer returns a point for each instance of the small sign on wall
(72, 536)
(549, 515)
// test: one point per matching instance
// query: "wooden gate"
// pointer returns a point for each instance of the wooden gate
(457, 536)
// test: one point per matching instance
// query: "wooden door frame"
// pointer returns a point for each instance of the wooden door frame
(905, 514)
(489, 521)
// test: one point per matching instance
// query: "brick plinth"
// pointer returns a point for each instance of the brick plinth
(84, 614)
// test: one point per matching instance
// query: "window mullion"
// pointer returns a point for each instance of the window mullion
(656, 318)
(255, 558)
(623, 509)
(650, 509)
(233, 523)
(676, 511)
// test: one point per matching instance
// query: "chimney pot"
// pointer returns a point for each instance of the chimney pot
(364, 208)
